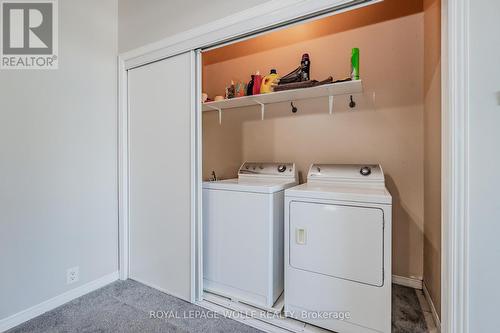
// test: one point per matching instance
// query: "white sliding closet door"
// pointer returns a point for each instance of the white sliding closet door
(160, 159)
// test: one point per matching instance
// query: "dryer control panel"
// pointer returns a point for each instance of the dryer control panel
(263, 169)
(352, 173)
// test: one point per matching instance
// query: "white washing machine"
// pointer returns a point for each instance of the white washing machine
(243, 221)
(338, 249)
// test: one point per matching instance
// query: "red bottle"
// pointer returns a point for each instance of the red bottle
(257, 81)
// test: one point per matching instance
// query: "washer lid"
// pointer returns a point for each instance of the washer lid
(341, 192)
(250, 185)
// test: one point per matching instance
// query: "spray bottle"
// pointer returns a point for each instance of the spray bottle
(355, 64)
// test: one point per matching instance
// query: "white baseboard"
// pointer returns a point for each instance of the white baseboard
(433, 308)
(50, 304)
(407, 282)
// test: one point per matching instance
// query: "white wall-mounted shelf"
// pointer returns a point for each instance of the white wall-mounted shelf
(327, 90)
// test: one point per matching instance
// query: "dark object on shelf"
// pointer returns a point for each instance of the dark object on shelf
(295, 85)
(328, 80)
(250, 87)
(300, 74)
(347, 79)
(305, 84)
(294, 108)
(305, 65)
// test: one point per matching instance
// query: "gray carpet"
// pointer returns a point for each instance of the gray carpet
(407, 315)
(124, 306)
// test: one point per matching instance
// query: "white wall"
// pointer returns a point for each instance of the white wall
(58, 162)
(484, 162)
(143, 22)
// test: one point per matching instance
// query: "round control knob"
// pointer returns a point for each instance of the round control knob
(281, 168)
(365, 171)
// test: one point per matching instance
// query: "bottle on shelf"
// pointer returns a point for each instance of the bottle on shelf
(355, 64)
(269, 82)
(257, 81)
(301, 73)
(250, 86)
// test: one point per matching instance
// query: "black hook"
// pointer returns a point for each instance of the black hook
(352, 104)
(294, 108)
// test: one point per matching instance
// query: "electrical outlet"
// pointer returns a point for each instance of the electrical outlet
(72, 275)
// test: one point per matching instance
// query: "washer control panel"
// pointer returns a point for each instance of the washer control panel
(267, 169)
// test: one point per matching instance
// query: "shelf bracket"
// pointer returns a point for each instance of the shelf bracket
(220, 112)
(330, 104)
(262, 109)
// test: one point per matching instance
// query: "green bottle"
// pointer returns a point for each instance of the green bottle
(355, 64)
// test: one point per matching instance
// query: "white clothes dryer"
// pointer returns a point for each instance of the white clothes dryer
(338, 249)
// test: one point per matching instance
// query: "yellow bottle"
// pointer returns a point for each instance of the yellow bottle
(269, 81)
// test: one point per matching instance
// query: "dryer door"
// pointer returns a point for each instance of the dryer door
(345, 242)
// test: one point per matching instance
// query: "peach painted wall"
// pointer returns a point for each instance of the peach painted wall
(432, 150)
(386, 130)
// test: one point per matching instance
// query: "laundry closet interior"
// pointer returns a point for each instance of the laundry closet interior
(374, 133)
